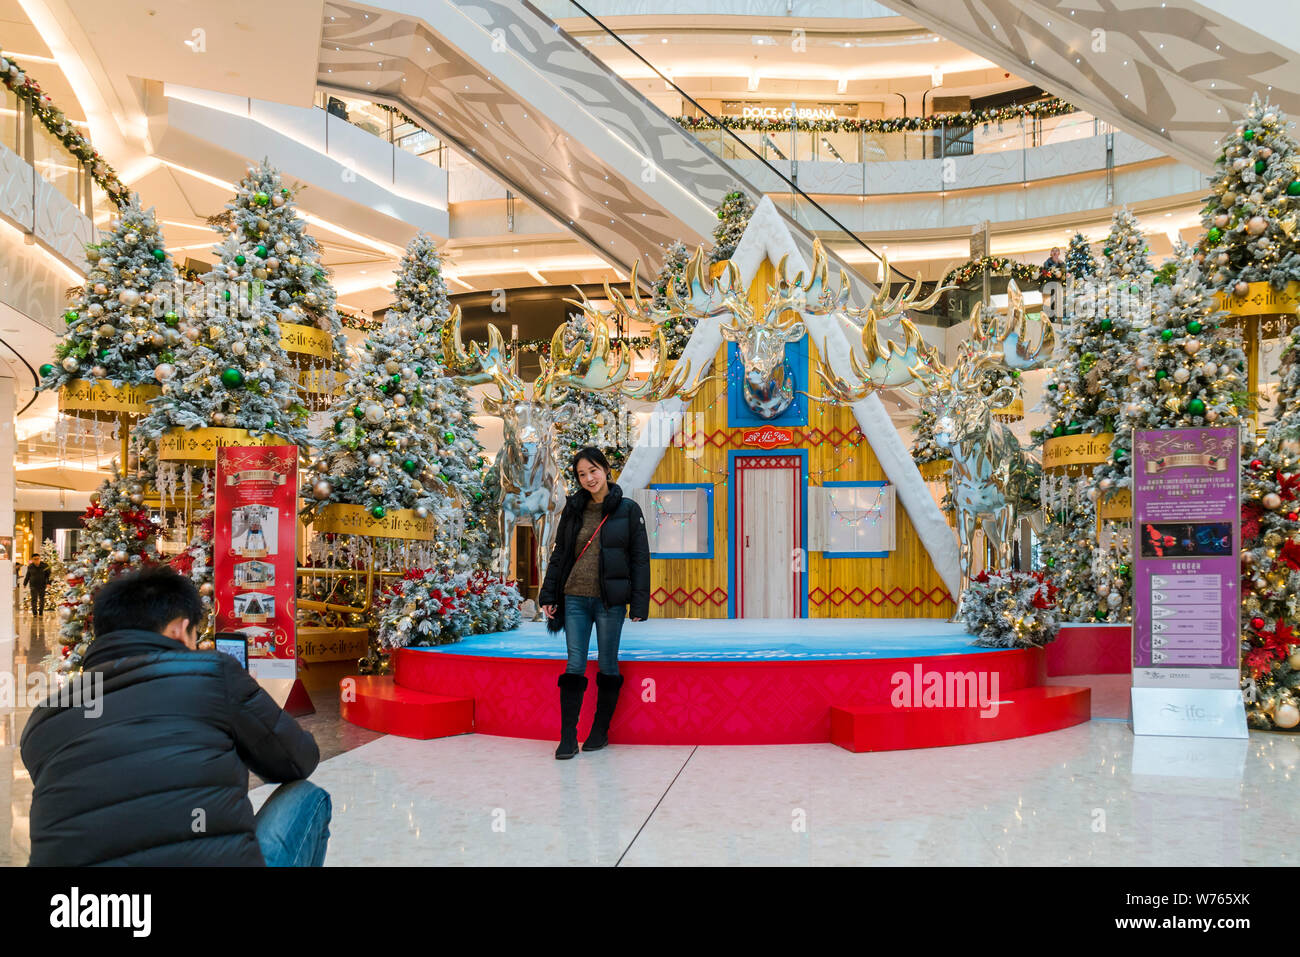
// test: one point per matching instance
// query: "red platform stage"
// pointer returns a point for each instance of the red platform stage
(738, 692)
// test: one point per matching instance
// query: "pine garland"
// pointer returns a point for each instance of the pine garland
(18, 82)
(1010, 609)
(900, 124)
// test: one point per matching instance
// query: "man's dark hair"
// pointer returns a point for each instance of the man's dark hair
(593, 455)
(146, 600)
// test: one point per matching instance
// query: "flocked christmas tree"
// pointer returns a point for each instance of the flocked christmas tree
(1079, 261)
(1084, 395)
(677, 329)
(285, 257)
(1189, 371)
(228, 370)
(116, 328)
(420, 288)
(382, 441)
(733, 217)
(119, 535)
(1252, 216)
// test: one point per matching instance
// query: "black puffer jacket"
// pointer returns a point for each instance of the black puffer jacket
(624, 555)
(160, 777)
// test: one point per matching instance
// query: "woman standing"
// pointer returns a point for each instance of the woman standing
(600, 564)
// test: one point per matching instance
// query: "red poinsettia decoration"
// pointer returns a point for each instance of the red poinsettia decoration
(1250, 516)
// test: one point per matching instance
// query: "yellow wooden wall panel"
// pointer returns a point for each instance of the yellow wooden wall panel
(906, 573)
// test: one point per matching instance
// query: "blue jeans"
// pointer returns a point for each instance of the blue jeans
(580, 613)
(293, 825)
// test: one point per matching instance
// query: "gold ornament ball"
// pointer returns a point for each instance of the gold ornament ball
(1286, 715)
(205, 589)
(1272, 501)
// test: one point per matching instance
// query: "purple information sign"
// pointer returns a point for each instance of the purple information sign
(1186, 548)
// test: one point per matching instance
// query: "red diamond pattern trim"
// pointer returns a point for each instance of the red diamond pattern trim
(895, 596)
(679, 596)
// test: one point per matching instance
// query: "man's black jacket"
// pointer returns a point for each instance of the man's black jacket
(160, 777)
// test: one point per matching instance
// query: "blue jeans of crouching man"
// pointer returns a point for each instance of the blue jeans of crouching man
(580, 613)
(293, 825)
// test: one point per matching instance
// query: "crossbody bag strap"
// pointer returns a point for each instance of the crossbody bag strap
(590, 540)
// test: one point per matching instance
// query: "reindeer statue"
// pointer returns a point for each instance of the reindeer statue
(988, 462)
(532, 489)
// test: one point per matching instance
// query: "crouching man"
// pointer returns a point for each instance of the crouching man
(155, 771)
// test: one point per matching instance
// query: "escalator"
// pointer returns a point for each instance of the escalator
(530, 106)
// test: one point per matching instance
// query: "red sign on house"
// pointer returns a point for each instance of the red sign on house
(767, 437)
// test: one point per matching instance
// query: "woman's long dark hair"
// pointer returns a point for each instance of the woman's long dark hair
(593, 455)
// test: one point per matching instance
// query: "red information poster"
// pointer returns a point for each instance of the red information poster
(254, 553)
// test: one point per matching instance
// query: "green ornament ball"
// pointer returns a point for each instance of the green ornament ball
(419, 370)
(240, 259)
(159, 254)
(449, 436)
(1196, 407)
(103, 353)
(340, 425)
(232, 378)
(1293, 188)
(1015, 373)
(1214, 235)
(270, 423)
(358, 412)
(378, 511)
(71, 315)
(226, 295)
(1058, 432)
(1259, 166)
(1120, 455)
(284, 191)
(261, 251)
(171, 319)
(1106, 325)
(478, 496)
(1106, 251)
(1124, 570)
(46, 370)
(1166, 334)
(1247, 135)
(1193, 327)
(410, 465)
(719, 214)
(261, 199)
(1161, 374)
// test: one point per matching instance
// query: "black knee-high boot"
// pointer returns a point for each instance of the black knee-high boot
(572, 688)
(607, 689)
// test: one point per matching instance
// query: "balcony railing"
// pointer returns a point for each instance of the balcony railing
(389, 125)
(21, 132)
(861, 147)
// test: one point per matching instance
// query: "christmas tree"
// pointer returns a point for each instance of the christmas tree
(118, 536)
(115, 322)
(467, 535)
(58, 586)
(1079, 262)
(677, 329)
(1252, 217)
(733, 217)
(381, 448)
(285, 258)
(420, 289)
(228, 369)
(1190, 371)
(1270, 591)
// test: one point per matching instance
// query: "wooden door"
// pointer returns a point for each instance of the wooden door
(769, 577)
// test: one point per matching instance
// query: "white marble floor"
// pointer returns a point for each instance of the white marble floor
(1083, 796)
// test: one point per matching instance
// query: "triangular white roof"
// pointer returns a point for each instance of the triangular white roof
(768, 237)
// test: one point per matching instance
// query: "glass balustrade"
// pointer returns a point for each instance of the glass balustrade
(55, 164)
(779, 144)
(388, 125)
(9, 108)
